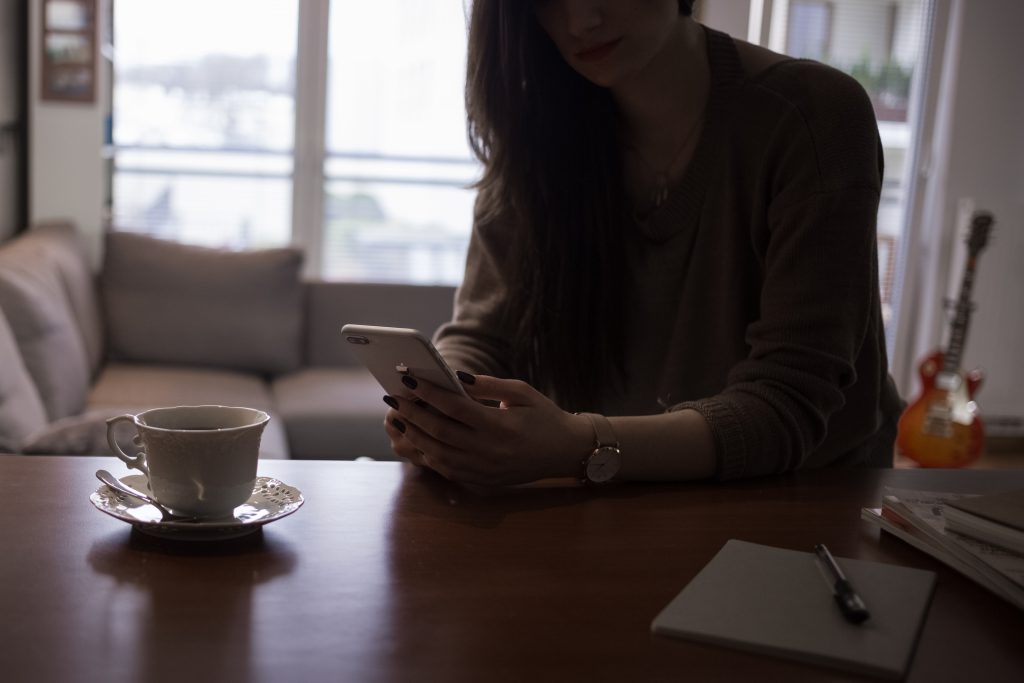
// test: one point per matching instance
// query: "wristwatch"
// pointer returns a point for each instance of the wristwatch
(604, 461)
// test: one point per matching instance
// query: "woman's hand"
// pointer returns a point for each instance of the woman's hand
(527, 438)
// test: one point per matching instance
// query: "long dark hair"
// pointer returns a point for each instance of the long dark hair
(548, 141)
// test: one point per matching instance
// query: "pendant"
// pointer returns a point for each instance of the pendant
(660, 192)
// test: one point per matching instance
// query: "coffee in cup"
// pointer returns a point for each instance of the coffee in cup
(199, 461)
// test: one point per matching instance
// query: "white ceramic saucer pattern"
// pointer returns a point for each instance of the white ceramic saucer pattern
(271, 500)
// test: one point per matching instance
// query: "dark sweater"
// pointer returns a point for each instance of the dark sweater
(753, 292)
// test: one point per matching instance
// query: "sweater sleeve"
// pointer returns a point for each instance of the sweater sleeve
(475, 339)
(822, 171)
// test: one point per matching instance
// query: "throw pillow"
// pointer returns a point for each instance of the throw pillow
(84, 434)
(21, 409)
(167, 302)
(66, 249)
(35, 302)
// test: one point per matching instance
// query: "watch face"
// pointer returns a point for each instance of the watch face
(603, 464)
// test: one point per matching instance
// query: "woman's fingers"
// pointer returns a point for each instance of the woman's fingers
(442, 427)
(472, 414)
(466, 441)
(400, 446)
(467, 425)
(511, 392)
(449, 462)
(449, 403)
(427, 438)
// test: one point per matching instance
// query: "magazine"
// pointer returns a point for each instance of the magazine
(997, 518)
(917, 517)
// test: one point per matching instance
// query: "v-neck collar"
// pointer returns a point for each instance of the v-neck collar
(686, 196)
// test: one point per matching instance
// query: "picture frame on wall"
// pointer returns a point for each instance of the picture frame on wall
(69, 51)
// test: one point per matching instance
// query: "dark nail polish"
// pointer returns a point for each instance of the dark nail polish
(390, 400)
(422, 404)
(409, 381)
(465, 377)
(399, 425)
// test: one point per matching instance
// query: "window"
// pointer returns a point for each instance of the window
(809, 29)
(396, 201)
(203, 120)
(204, 123)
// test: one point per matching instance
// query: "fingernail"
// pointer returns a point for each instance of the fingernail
(399, 425)
(390, 400)
(409, 381)
(421, 403)
(465, 377)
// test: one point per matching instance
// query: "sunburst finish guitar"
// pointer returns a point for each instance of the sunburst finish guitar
(942, 427)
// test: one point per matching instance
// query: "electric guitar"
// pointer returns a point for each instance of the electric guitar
(942, 428)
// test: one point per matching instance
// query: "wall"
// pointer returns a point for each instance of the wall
(66, 143)
(982, 164)
(8, 115)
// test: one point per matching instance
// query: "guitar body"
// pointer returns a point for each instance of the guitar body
(941, 428)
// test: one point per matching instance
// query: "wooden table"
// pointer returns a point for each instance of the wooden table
(389, 574)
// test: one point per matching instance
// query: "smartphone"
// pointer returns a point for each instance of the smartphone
(391, 352)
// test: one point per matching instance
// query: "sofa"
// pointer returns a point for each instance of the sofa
(164, 323)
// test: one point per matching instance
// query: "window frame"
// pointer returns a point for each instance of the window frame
(309, 154)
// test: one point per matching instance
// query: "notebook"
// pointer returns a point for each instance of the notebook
(775, 601)
(1003, 508)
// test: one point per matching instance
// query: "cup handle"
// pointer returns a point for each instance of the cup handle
(137, 461)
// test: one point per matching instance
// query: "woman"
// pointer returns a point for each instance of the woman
(675, 230)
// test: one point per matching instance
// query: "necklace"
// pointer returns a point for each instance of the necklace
(660, 187)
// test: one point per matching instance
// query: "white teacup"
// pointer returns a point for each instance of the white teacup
(200, 461)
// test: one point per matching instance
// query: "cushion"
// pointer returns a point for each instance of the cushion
(34, 300)
(167, 302)
(152, 386)
(21, 409)
(144, 386)
(333, 414)
(68, 253)
(83, 434)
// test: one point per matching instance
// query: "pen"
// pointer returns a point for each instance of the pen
(851, 605)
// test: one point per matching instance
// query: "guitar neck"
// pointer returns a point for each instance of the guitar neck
(958, 330)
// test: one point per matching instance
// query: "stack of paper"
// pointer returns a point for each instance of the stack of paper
(919, 518)
(997, 518)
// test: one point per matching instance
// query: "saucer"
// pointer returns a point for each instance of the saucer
(271, 500)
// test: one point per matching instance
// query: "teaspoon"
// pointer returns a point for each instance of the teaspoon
(118, 485)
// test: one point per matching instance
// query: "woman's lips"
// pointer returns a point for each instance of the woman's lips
(598, 52)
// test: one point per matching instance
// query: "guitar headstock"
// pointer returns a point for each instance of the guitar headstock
(981, 226)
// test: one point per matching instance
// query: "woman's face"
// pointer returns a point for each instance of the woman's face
(607, 41)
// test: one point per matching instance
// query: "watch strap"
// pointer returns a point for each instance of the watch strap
(604, 435)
